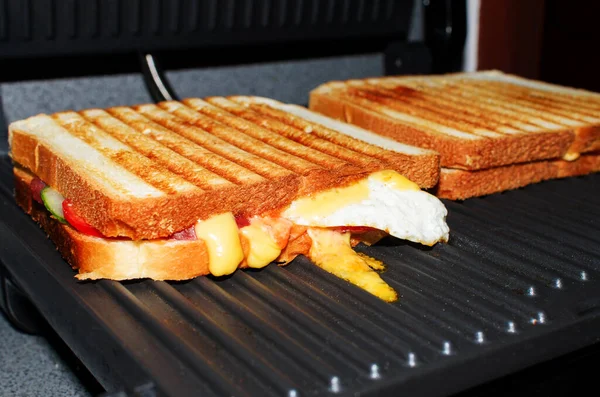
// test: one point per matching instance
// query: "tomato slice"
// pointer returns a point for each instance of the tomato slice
(353, 229)
(242, 221)
(37, 185)
(185, 234)
(78, 222)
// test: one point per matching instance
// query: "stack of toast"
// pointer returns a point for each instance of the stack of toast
(494, 131)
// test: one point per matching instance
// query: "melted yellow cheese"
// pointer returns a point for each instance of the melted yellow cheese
(332, 252)
(220, 233)
(394, 180)
(263, 248)
(571, 156)
(371, 262)
(328, 201)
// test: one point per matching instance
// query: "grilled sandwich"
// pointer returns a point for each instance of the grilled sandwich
(476, 121)
(458, 184)
(204, 186)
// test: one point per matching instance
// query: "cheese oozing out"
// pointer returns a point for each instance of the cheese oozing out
(332, 252)
(263, 248)
(220, 233)
(384, 200)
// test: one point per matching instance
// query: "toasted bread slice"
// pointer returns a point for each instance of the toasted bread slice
(475, 120)
(126, 189)
(459, 184)
(344, 140)
(152, 170)
(112, 258)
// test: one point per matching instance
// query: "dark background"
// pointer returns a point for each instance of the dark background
(551, 40)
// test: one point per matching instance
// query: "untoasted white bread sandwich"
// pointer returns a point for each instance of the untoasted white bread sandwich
(182, 189)
(476, 121)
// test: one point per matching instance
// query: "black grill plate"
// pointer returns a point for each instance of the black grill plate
(518, 284)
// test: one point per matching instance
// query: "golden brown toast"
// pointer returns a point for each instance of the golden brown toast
(474, 120)
(148, 171)
(459, 184)
(115, 259)
(331, 136)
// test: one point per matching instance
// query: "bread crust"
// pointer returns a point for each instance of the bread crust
(460, 184)
(587, 140)
(98, 258)
(473, 154)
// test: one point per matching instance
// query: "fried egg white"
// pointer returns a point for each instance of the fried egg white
(384, 200)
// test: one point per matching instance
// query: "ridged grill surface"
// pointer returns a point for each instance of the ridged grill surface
(517, 284)
(480, 105)
(55, 26)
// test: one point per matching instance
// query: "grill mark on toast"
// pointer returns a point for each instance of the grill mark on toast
(576, 96)
(219, 143)
(337, 138)
(231, 167)
(330, 154)
(454, 88)
(41, 144)
(188, 118)
(436, 87)
(397, 101)
(568, 109)
(147, 171)
(552, 109)
(445, 109)
(155, 151)
(459, 103)
(420, 112)
(580, 98)
(525, 107)
(419, 165)
(524, 99)
(590, 105)
(403, 118)
(235, 116)
(123, 155)
(571, 110)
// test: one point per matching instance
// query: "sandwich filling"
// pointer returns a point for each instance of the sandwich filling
(220, 233)
(323, 226)
(384, 200)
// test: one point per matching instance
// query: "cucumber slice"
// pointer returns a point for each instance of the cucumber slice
(53, 202)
